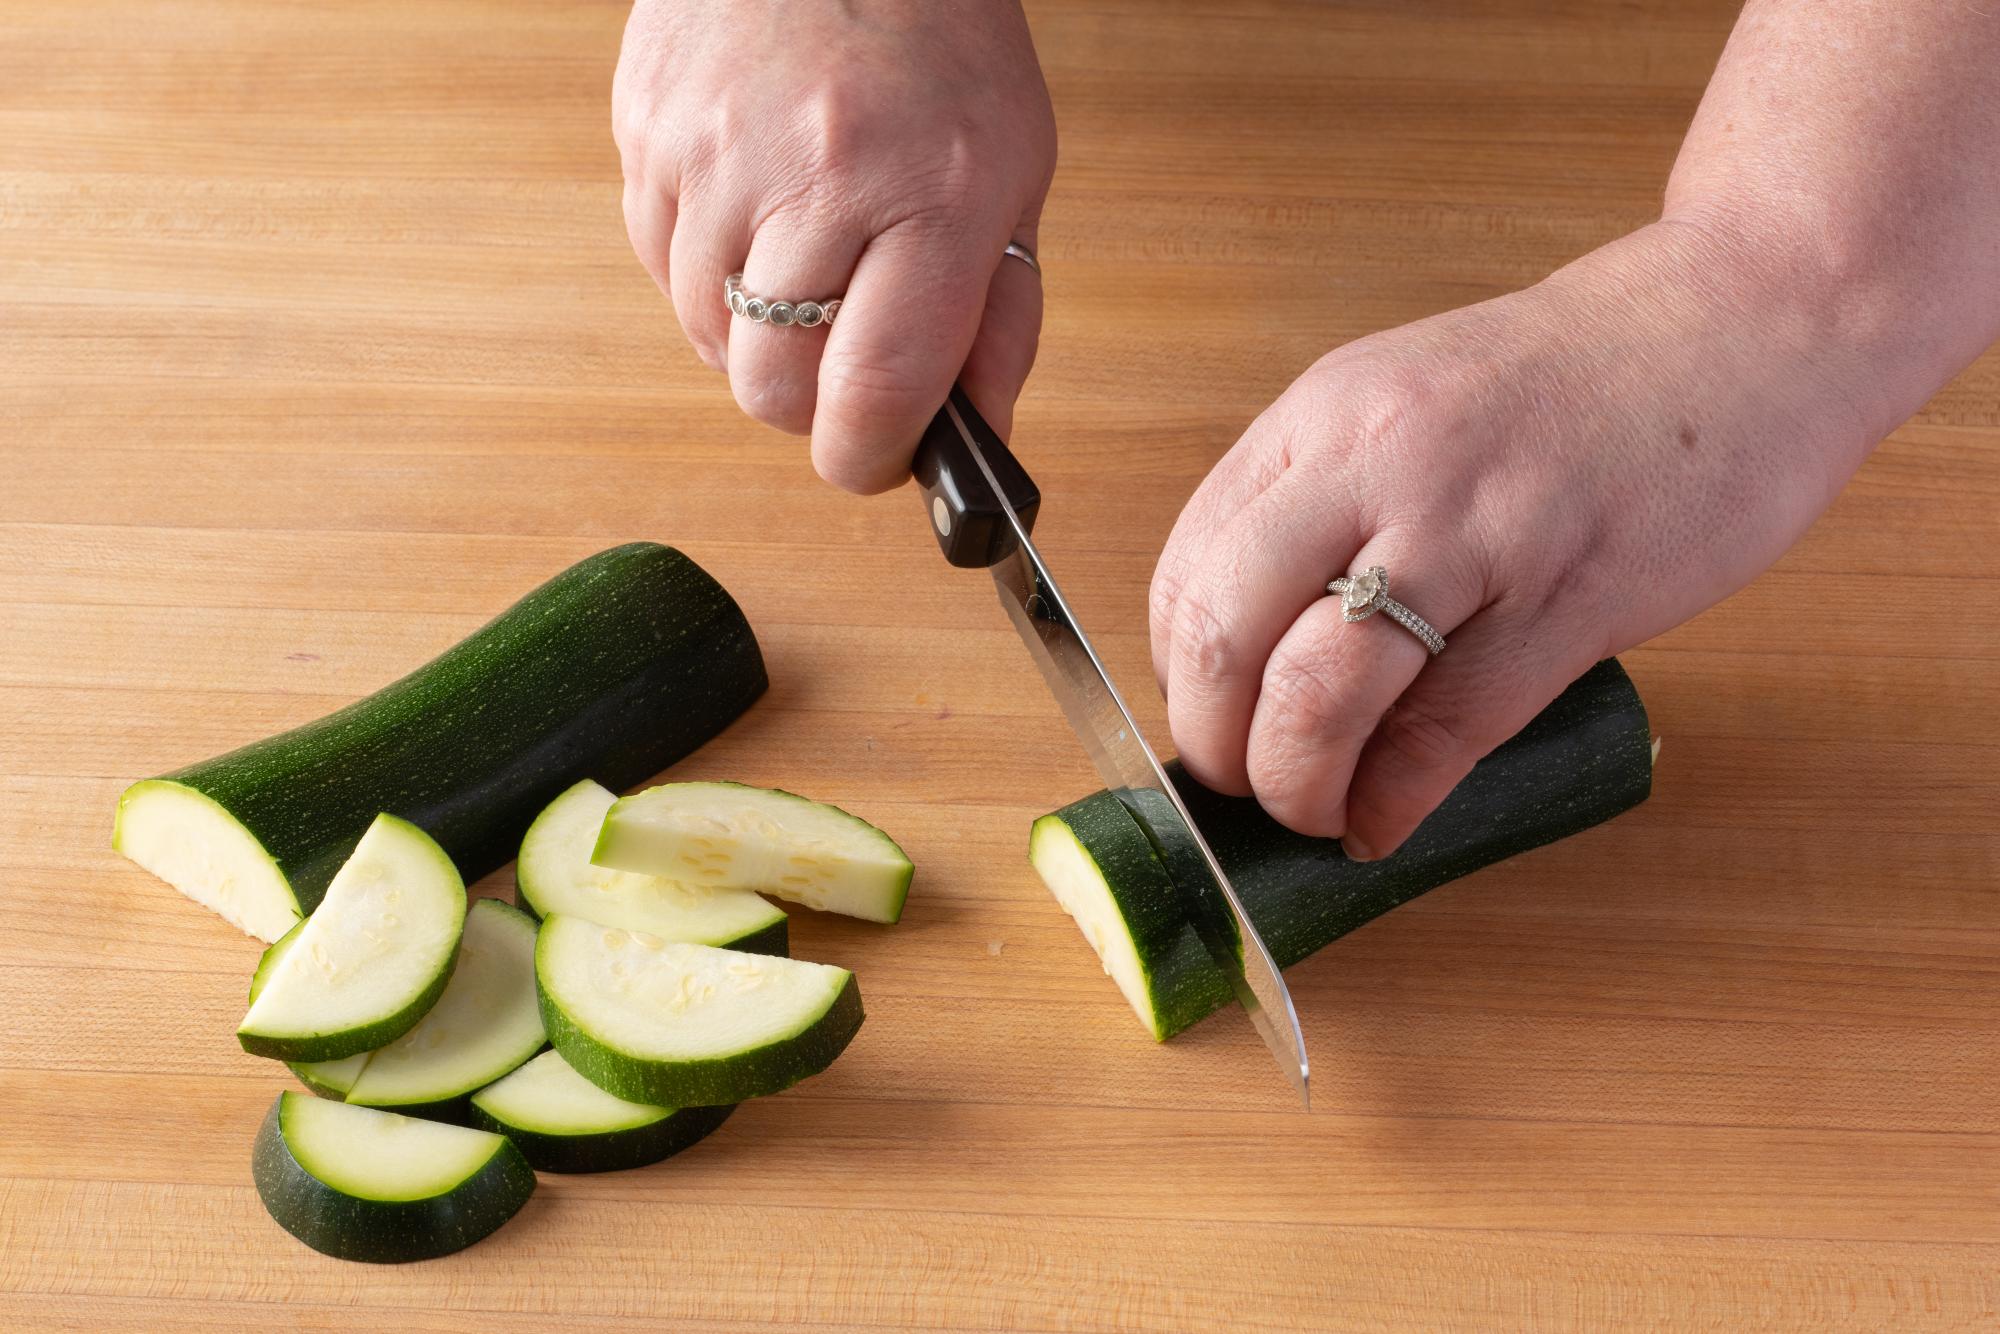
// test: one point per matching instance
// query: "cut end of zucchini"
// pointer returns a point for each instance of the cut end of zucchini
(361, 1184)
(192, 843)
(679, 1025)
(555, 875)
(728, 835)
(1079, 885)
(371, 960)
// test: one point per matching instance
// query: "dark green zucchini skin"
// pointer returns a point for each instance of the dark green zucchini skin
(384, 1231)
(614, 669)
(612, 1151)
(1582, 760)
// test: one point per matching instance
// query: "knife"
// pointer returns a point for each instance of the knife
(982, 504)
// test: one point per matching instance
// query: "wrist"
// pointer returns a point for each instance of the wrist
(1793, 351)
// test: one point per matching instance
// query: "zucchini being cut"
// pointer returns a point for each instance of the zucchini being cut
(679, 1025)
(1584, 759)
(372, 960)
(362, 1184)
(729, 836)
(555, 875)
(615, 668)
(561, 1122)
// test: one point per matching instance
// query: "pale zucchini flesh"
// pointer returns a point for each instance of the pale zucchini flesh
(555, 875)
(728, 835)
(485, 1024)
(679, 1025)
(374, 957)
(187, 839)
(329, 1079)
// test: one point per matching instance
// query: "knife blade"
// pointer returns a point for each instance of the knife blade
(982, 507)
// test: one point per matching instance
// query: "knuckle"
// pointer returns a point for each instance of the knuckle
(887, 383)
(1303, 709)
(1204, 653)
(1426, 738)
(780, 401)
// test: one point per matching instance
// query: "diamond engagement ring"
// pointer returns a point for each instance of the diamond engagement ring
(765, 310)
(1362, 595)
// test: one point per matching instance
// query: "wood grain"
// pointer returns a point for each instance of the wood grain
(320, 341)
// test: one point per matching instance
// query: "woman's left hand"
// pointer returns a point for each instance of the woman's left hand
(1549, 478)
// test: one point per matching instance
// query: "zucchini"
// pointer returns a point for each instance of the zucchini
(555, 875)
(1582, 760)
(362, 1184)
(485, 1024)
(329, 1079)
(730, 836)
(615, 668)
(679, 1025)
(561, 1122)
(372, 961)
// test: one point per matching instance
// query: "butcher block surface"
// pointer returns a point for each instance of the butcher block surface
(321, 342)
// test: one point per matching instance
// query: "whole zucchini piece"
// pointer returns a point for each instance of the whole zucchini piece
(614, 669)
(1582, 760)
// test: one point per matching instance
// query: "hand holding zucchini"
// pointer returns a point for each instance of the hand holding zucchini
(615, 668)
(1584, 759)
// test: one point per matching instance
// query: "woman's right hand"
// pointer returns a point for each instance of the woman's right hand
(884, 152)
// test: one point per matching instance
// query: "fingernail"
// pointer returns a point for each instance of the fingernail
(1356, 850)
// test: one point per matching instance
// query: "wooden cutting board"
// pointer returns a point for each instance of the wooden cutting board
(320, 341)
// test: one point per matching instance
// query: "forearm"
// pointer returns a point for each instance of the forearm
(1848, 153)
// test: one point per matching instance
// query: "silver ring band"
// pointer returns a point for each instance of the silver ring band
(810, 314)
(769, 310)
(1364, 594)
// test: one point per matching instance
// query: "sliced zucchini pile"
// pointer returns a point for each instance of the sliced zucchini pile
(564, 1123)
(363, 1184)
(729, 836)
(417, 1021)
(556, 875)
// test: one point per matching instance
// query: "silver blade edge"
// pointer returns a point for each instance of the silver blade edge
(1123, 757)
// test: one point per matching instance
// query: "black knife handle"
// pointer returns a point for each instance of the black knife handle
(965, 517)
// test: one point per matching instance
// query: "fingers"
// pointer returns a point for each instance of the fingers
(774, 369)
(1499, 671)
(1260, 572)
(1003, 351)
(649, 222)
(1329, 681)
(906, 326)
(1243, 474)
(711, 238)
